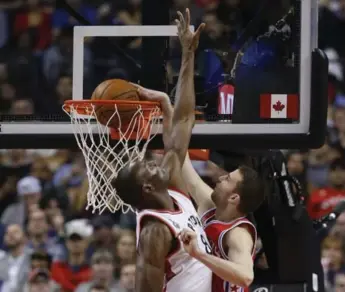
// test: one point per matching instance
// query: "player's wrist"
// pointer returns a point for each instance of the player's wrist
(187, 53)
(199, 254)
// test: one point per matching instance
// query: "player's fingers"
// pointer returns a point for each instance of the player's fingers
(136, 85)
(199, 30)
(184, 237)
(181, 18)
(187, 17)
(147, 94)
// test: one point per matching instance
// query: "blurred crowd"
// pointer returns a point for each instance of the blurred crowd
(48, 241)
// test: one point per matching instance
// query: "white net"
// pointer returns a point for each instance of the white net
(105, 157)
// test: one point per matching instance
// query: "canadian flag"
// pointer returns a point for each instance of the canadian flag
(226, 99)
(279, 106)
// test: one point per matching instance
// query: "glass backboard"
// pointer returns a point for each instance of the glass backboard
(259, 108)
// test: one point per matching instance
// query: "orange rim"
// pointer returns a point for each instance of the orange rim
(84, 107)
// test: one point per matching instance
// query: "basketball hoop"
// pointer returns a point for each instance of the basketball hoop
(115, 147)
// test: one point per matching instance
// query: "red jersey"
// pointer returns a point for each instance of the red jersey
(322, 201)
(215, 231)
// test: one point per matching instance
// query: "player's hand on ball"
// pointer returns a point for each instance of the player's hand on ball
(190, 242)
(151, 95)
(189, 40)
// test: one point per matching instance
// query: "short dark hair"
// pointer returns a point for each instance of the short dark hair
(102, 256)
(41, 255)
(337, 164)
(250, 189)
(127, 185)
(98, 287)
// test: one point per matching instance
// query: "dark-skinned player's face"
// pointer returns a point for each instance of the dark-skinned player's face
(149, 172)
(225, 190)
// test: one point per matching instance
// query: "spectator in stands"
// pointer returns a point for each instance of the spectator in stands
(7, 191)
(322, 201)
(53, 208)
(61, 19)
(332, 258)
(125, 247)
(13, 166)
(61, 93)
(15, 263)
(23, 66)
(22, 107)
(40, 281)
(102, 236)
(127, 278)
(40, 260)
(214, 32)
(99, 288)
(6, 8)
(339, 122)
(29, 190)
(339, 282)
(74, 270)
(102, 263)
(297, 167)
(58, 58)
(130, 12)
(7, 91)
(339, 227)
(7, 96)
(37, 230)
(318, 165)
(35, 19)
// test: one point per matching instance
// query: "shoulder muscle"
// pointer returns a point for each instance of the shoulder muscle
(155, 243)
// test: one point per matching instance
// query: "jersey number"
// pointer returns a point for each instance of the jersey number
(206, 244)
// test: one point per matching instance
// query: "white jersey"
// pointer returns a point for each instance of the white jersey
(183, 273)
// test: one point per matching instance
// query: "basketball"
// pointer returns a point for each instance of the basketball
(115, 89)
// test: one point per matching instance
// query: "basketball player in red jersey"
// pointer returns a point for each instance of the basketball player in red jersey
(162, 211)
(223, 214)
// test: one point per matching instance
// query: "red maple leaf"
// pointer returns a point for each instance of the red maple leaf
(278, 106)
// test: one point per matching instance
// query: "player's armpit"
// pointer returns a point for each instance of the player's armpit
(154, 246)
(197, 188)
(238, 270)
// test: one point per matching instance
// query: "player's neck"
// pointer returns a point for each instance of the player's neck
(162, 201)
(168, 202)
(226, 215)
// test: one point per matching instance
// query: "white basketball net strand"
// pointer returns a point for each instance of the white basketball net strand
(105, 157)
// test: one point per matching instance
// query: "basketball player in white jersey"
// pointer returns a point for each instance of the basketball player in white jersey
(159, 194)
(223, 213)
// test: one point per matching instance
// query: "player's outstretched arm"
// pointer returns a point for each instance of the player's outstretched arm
(167, 109)
(197, 188)
(183, 117)
(238, 270)
(154, 246)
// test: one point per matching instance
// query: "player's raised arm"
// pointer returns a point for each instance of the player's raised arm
(197, 188)
(184, 117)
(167, 109)
(154, 246)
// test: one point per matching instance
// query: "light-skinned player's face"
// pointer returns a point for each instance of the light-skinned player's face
(225, 191)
